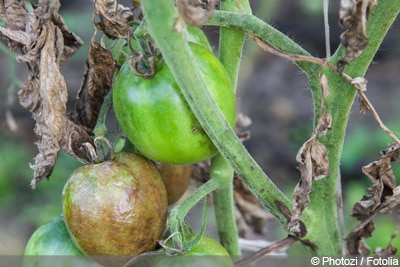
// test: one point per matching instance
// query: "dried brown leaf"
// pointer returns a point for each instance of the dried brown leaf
(72, 42)
(196, 12)
(301, 194)
(96, 84)
(44, 42)
(364, 107)
(390, 250)
(353, 16)
(313, 163)
(114, 18)
(320, 162)
(324, 86)
(46, 97)
(324, 124)
(13, 13)
(382, 197)
(356, 240)
(77, 142)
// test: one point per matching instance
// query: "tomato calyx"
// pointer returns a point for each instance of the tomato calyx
(144, 53)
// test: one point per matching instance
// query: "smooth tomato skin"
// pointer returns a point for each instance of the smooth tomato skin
(208, 252)
(156, 118)
(51, 238)
(116, 208)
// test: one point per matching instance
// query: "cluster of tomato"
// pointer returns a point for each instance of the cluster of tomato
(120, 207)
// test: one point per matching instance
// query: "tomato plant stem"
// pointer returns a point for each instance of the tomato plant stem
(166, 27)
(231, 40)
(231, 43)
(320, 216)
(224, 205)
(178, 212)
(101, 129)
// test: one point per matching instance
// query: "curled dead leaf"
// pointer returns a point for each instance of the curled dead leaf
(96, 84)
(313, 163)
(196, 12)
(353, 16)
(44, 42)
(382, 197)
(114, 18)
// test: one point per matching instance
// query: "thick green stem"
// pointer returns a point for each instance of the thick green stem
(167, 29)
(231, 40)
(320, 217)
(231, 43)
(224, 205)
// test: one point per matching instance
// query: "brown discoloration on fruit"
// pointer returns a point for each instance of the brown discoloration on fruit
(117, 207)
(176, 179)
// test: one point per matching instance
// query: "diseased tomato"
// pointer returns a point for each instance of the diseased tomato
(115, 208)
(176, 180)
(208, 252)
(157, 119)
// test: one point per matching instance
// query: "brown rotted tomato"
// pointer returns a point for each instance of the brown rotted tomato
(116, 208)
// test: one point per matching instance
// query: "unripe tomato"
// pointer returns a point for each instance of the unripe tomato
(176, 180)
(208, 252)
(51, 238)
(116, 208)
(157, 119)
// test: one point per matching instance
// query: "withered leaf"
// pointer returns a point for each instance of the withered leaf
(45, 43)
(353, 16)
(382, 197)
(13, 13)
(301, 194)
(390, 250)
(325, 87)
(356, 239)
(96, 84)
(324, 124)
(364, 108)
(72, 42)
(196, 12)
(46, 97)
(313, 163)
(77, 142)
(114, 18)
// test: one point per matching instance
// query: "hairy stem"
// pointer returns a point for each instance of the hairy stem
(224, 205)
(179, 212)
(231, 43)
(166, 27)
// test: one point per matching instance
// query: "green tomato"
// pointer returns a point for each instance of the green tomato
(53, 239)
(208, 252)
(115, 208)
(156, 118)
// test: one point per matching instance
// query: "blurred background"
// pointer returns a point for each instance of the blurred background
(272, 92)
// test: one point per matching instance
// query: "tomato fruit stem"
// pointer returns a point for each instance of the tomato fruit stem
(167, 29)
